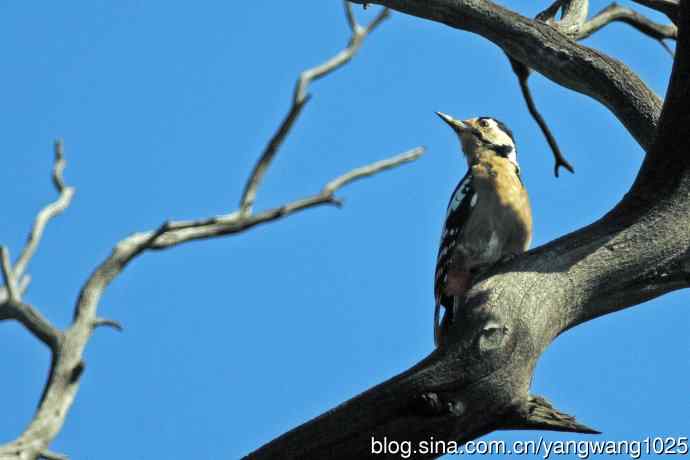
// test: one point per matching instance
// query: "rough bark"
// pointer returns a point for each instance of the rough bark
(545, 49)
(479, 380)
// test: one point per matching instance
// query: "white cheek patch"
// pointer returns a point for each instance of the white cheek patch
(499, 137)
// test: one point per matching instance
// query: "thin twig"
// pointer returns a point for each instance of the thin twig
(68, 348)
(359, 33)
(11, 306)
(50, 455)
(59, 166)
(350, 15)
(615, 12)
(522, 72)
(668, 7)
(236, 222)
(53, 209)
(105, 322)
(300, 98)
(549, 13)
(371, 169)
(573, 23)
(252, 186)
(67, 365)
(383, 15)
(8, 276)
(667, 48)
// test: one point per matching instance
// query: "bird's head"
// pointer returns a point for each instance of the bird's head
(483, 136)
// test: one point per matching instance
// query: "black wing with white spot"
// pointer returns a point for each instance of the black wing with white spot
(459, 208)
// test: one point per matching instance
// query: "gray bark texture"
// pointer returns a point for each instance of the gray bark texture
(479, 380)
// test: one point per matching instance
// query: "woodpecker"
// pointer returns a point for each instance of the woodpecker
(488, 216)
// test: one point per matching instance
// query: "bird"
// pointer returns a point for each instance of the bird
(488, 218)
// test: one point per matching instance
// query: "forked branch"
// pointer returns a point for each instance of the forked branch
(15, 278)
(300, 99)
(668, 7)
(173, 233)
(522, 73)
(574, 24)
(641, 23)
(8, 276)
(544, 49)
(53, 209)
(479, 380)
(68, 347)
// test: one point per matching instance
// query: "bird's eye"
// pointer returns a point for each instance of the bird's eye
(484, 123)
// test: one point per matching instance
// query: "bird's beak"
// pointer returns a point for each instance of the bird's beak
(457, 125)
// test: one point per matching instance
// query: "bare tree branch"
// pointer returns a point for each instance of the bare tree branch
(575, 25)
(350, 16)
(549, 13)
(44, 216)
(105, 322)
(667, 7)
(69, 347)
(22, 285)
(11, 305)
(8, 276)
(479, 380)
(614, 12)
(67, 363)
(49, 455)
(668, 49)
(53, 209)
(14, 308)
(369, 170)
(574, 15)
(174, 233)
(33, 320)
(300, 98)
(545, 49)
(522, 72)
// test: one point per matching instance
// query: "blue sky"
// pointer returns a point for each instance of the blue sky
(230, 342)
